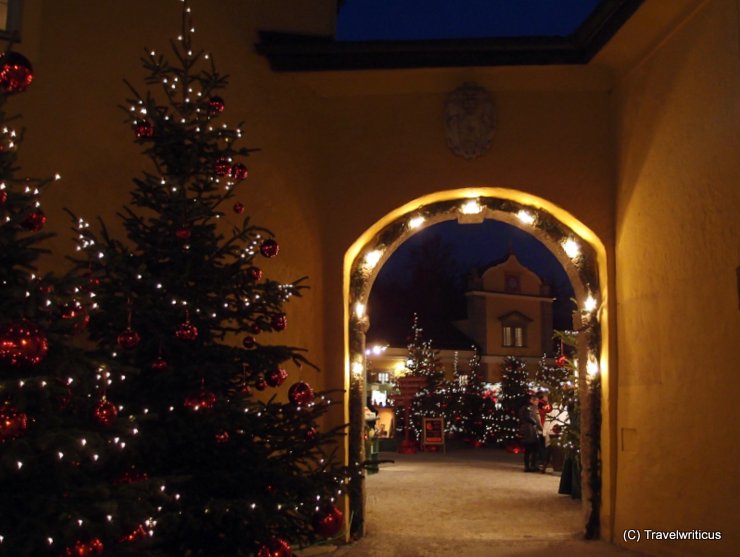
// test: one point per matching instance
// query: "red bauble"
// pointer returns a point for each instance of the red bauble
(202, 399)
(328, 522)
(16, 73)
(187, 332)
(279, 321)
(222, 166)
(183, 234)
(269, 248)
(217, 104)
(239, 171)
(105, 412)
(3, 197)
(22, 343)
(159, 364)
(84, 549)
(255, 329)
(77, 316)
(138, 533)
(35, 220)
(144, 129)
(260, 384)
(300, 393)
(276, 377)
(561, 360)
(311, 433)
(238, 208)
(222, 437)
(13, 424)
(276, 547)
(128, 339)
(249, 342)
(255, 273)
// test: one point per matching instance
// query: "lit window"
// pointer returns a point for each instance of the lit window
(507, 337)
(518, 336)
(383, 377)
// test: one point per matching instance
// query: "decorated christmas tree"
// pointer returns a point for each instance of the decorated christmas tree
(55, 446)
(473, 412)
(423, 362)
(514, 387)
(228, 466)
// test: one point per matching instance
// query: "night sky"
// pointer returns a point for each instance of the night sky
(426, 274)
(455, 19)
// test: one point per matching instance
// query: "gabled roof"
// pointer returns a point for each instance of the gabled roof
(514, 315)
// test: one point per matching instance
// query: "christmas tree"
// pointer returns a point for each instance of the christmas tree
(473, 413)
(55, 445)
(514, 389)
(423, 362)
(183, 306)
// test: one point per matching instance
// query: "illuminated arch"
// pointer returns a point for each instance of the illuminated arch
(576, 247)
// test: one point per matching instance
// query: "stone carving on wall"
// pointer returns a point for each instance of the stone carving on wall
(469, 121)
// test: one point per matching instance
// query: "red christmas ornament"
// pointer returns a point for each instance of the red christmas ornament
(46, 289)
(239, 171)
(105, 412)
(300, 393)
(128, 339)
(276, 377)
(183, 234)
(84, 549)
(276, 547)
(16, 73)
(131, 477)
(255, 273)
(159, 364)
(187, 332)
(13, 424)
(77, 315)
(279, 321)
(137, 534)
(255, 329)
(249, 342)
(202, 399)
(217, 104)
(328, 522)
(144, 129)
(260, 384)
(222, 437)
(22, 343)
(3, 197)
(238, 208)
(222, 166)
(246, 390)
(35, 220)
(561, 360)
(269, 248)
(311, 433)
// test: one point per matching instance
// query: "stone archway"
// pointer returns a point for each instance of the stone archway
(582, 256)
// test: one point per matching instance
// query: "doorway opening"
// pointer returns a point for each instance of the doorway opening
(582, 256)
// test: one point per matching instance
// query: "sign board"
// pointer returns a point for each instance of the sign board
(433, 431)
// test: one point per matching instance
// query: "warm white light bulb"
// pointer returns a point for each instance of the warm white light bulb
(525, 216)
(471, 207)
(571, 247)
(416, 222)
(372, 258)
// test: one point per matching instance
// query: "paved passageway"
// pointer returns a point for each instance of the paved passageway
(469, 503)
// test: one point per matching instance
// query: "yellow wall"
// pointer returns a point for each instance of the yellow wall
(678, 231)
(339, 151)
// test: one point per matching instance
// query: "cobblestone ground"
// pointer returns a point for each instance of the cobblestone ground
(469, 503)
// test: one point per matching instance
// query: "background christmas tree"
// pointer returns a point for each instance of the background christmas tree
(423, 361)
(58, 497)
(514, 387)
(472, 412)
(184, 307)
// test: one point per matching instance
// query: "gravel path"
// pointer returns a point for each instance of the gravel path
(471, 503)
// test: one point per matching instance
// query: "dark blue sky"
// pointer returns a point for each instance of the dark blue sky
(361, 20)
(471, 245)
